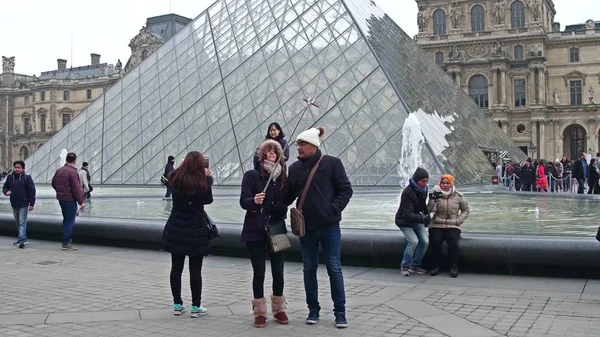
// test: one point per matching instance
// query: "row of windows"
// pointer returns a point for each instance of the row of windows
(517, 18)
(66, 118)
(517, 53)
(478, 90)
(66, 96)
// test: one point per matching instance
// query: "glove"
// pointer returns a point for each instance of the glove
(426, 219)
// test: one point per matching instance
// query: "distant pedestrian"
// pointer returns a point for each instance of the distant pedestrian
(186, 232)
(21, 190)
(69, 193)
(580, 172)
(274, 132)
(168, 169)
(86, 179)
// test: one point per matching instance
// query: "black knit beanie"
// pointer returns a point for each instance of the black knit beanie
(420, 173)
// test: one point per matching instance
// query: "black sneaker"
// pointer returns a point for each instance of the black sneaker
(22, 245)
(340, 320)
(313, 317)
(454, 271)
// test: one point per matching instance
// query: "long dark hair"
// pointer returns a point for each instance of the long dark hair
(278, 127)
(189, 178)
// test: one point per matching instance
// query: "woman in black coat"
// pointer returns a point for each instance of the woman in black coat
(262, 207)
(594, 175)
(186, 231)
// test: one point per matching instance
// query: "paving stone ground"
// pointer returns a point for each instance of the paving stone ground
(108, 291)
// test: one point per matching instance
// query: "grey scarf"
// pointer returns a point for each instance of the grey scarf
(273, 169)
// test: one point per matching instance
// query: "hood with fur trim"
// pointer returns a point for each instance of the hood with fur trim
(265, 146)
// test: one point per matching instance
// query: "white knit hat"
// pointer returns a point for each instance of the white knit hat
(312, 136)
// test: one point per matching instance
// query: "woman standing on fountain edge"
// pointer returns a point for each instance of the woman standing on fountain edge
(450, 210)
(412, 218)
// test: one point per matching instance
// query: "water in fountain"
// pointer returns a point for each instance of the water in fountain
(410, 155)
(63, 157)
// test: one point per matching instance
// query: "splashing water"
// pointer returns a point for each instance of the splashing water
(410, 156)
(63, 157)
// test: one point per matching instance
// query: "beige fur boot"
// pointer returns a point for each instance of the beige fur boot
(259, 306)
(278, 307)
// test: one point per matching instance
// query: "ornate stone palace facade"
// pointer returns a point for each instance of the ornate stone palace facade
(32, 109)
(536, 81)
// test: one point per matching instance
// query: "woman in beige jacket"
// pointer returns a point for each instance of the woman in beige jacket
(450, 210)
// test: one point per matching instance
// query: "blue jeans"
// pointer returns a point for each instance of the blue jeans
(168, 193)
(20, 215)
(330, 238)
(69, 212)
(416, 247)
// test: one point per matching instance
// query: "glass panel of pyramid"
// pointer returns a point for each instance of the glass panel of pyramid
(216, 85)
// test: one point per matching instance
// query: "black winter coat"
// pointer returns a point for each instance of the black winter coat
(329, 192)
(255, 220)
(578, 171)
(528, 175)
(22, 190)
(185, 232)
(412, 207)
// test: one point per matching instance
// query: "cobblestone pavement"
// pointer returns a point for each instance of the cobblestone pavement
(108, 291)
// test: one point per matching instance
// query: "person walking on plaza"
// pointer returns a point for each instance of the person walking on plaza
(594, 175)
(412, 217)
(262, 208)
(274, 132)
(186, 232)
(580, 172)
(168, 169)
(327, 196)
(69, 193)
(542, 182)
(21, 190)
(450, 210)
(86, 179)
(527, 175)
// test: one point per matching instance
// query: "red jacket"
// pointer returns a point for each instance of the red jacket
(67, 185)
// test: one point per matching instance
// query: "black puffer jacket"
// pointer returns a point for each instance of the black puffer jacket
(185, 231)
(412, 207)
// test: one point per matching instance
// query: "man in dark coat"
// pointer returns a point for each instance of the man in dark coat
(327, 196)
(19, 186)
(168, 169)
(527, 176)
(579, 172)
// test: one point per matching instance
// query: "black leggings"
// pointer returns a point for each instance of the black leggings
(437, 236)
(258, 250)
(195, 264)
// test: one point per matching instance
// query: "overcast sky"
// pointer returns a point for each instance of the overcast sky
(37, 32)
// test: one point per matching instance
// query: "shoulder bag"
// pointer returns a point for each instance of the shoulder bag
(213, 231)
(296, 216)
(277, 238)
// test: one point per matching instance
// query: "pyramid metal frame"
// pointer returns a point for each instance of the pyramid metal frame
(241, 64)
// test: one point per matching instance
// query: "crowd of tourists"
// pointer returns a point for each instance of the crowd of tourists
(557, 176)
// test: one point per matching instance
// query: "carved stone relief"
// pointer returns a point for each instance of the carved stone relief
(8, 64)
(498, 12)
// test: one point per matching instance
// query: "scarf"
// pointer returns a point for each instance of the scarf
(273, 169)
(418, 188)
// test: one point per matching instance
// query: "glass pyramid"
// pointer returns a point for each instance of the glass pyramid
(242, 64)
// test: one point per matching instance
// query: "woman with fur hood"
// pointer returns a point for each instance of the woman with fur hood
(262, 203)
(450, 210)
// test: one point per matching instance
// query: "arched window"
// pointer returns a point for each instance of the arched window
(517, 15)
(23, 152)
(439, 58)
(478, 90)
(439, 22)
(477, 19)
(518, 53)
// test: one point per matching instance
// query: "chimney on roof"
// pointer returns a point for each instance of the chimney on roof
(62, 64)
(95, 58)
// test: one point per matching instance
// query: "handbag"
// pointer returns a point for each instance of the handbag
(277, 235)
(213, 231)
(296, 216)
(164, 181)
